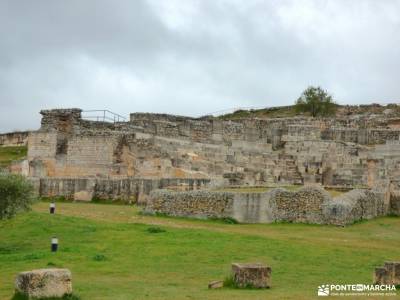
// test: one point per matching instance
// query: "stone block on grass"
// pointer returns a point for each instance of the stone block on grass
(216, 284)
(44, 283)
(388, 274)
(254, 275)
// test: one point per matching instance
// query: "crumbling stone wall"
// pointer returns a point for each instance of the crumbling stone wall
(198, 204)
(354, 152)
(308, 205)
(356, 205)
(132, 190)
(18, 138)
(304, 206)
(394, 197)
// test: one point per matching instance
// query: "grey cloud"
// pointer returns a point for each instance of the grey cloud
(192, 57)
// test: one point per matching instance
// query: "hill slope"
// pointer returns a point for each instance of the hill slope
(390, 110)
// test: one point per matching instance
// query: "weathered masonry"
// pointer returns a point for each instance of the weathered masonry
(253, 152)
(307, 205)
(70, 155)
(18, 138)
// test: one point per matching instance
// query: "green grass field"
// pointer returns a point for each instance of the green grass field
(10, 154)
(112, 255)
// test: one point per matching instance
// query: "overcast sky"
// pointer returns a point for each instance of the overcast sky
(192, 57)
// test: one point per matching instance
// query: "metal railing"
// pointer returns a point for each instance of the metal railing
(102, 116)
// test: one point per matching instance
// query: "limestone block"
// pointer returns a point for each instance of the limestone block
(393, 272)
(381, 276)
(255, 275)
(216, 284)
(388, 274)
(83, 196)
(43, 283)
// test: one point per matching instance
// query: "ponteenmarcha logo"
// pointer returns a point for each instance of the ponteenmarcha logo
(323, 290)
(356, 289)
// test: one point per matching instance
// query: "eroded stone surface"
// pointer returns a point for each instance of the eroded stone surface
(83, 196)
(254, 275)
(361, 151)
(43, 283)
(388, 274)
(307, 205)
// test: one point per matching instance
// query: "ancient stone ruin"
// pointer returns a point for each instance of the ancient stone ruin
(44, 283)
(251, 275)
(388, 274)
(18, 138)
(307, 205)
(81, 159)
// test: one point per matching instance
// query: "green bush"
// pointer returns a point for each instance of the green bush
(99, 257)
(226, 220)
(16, 194)
(155, 230)
(229, 220)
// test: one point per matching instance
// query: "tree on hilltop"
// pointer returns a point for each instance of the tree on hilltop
(316, 101)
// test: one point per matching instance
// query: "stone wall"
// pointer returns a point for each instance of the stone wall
(394, 196)
(198, 204)
(302, 206)
(354, 152)
(18, 138)
(307, 205)
(356, 205)
(131, 190)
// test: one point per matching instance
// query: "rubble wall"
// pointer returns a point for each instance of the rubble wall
(307, 205)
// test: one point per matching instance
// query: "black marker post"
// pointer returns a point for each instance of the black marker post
(52, 207)
(54, 244)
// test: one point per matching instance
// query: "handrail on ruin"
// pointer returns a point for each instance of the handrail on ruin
(103, 115)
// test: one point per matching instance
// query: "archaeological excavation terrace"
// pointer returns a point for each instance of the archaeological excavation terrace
(202, 164)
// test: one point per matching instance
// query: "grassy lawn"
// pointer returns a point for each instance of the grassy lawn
(10, 154)
(112, 255)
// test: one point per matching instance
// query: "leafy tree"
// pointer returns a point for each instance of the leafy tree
(316, 101)
(16, 194)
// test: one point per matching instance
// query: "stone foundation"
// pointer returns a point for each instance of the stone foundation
(307, 205)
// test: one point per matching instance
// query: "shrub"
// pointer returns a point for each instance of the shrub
(155, 230)
(229, 220)
(226, 220)
(16, 194)
(99, 257)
